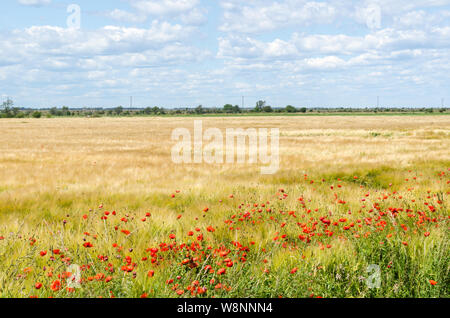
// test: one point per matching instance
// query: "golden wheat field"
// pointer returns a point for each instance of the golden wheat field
(95, 207)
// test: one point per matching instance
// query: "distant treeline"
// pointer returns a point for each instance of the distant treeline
(7, 110)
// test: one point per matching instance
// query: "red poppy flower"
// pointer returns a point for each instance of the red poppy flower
(43, 253)
(88, 245)
(221, 271)
(433, 282)
(56, 285)
(38, 286)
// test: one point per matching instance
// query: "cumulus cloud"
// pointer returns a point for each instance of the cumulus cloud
(188, 11)
(420, 19)
(105, 55)
(305, 52)
(164, 7)
(125, 16)
(294, 48)
(35, 3)
(109, 40)
(196, 16)
(257, 16)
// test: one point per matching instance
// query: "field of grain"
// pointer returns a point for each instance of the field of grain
(96, 208)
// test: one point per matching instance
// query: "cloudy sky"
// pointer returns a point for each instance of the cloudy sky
(175, 53)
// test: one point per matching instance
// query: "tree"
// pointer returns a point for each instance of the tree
(267, 109)
(291, 109)
(36, 114)
(303, 110)
(228, 108)
(53, 111)
(260, 105)
(7, 106)
(118, 110)
(15, 111)
(65, 111)
(199, 109)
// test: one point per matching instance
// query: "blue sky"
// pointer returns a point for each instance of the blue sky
(174, 53)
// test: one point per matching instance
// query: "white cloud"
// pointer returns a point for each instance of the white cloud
(249, 48)
(303, 45)
(35, 3)
(420, 19)
(109, 40)
(292, 48)
(188, 11)
(259, 16)
(399, 6)
(196, 16)
(164, 7)
(328, 62)
(105, 56)
(125, 16)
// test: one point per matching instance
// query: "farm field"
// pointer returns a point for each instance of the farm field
(95, 207)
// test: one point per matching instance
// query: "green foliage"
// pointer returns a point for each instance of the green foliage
(199, 109)
(118, 110)
(36, 114)
(260, 106)
(230, 109)
(7, 110)
(267, 109)
(290, 109)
